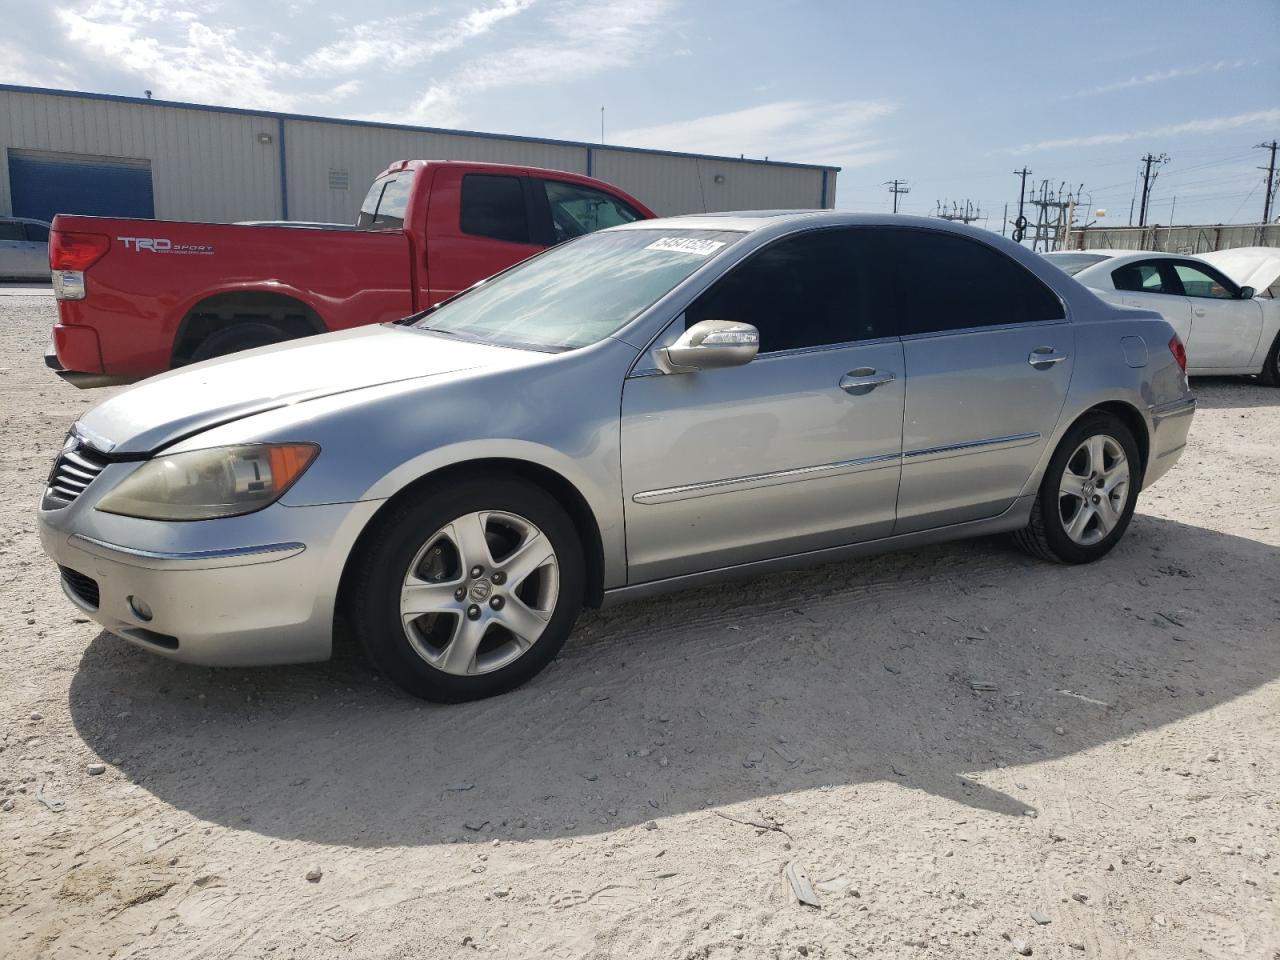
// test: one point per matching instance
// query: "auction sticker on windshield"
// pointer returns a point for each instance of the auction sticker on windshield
(699, 248)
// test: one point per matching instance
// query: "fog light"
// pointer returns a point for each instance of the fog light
(140, 609)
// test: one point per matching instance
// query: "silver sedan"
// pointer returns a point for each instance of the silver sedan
(649, 408)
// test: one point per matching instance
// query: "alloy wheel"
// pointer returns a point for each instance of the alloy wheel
(479, 593)
(1094, 489)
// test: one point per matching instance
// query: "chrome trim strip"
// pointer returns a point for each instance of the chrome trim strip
(1017, 438)
(1182, 407)
(690, 490)
(199, 559)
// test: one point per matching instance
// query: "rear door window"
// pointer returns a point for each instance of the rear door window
(578, 210)
(10, 230)
(943, 281)
(1144, 277)
(495, 207)
(385, 204)
(37, 233)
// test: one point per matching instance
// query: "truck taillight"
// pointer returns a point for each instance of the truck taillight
(76, 251)
(1179, 352)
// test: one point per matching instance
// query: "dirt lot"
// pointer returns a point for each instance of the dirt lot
(1121, 782)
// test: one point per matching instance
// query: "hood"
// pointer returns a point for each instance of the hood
(174, 405)
(1257, 267)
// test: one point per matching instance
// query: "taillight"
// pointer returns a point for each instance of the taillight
(76, 251)
(1179, 352)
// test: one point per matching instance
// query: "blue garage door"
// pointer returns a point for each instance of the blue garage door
(45, 184)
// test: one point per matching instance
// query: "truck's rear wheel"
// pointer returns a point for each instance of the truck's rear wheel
(233, 339)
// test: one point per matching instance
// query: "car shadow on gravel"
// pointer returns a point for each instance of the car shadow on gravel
(929, 669)
(1233, 393)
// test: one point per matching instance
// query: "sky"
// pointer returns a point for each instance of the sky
(949, 96)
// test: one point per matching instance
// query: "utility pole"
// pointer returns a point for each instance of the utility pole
(966, 213)
(1149, 178)
(1020, 225)
(897, 187)
(1271, 179)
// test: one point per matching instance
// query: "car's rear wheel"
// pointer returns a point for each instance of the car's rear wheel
(233, 339)
(1088, 494)
(1271, 369)
(469, 591)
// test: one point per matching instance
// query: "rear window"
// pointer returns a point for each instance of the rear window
(37, 233)
(10, 230)
(494, 207)
(386, 202)
(1073, 263)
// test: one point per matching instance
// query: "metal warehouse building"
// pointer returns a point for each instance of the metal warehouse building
(69, 152)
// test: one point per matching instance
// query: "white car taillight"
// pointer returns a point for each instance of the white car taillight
(68, 284)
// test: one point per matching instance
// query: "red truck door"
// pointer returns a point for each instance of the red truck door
(478, 223)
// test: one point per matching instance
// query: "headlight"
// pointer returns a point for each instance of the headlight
(203, 484)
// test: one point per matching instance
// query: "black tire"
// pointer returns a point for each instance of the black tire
(1270, 375)
(387, 551)
(233, 339)
(1045, 536)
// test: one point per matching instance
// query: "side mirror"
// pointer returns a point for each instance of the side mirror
(711, 344)
(1247, 293)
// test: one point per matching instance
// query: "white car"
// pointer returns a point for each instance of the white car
(24, 249)
(1227, 327)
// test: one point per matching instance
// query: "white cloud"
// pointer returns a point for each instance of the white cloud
(1259, 118)
(408, 40)
(1160, 76)
(799, 130)
(191, 61)
(582, 39)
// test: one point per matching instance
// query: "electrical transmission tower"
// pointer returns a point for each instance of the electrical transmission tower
(897, 187)
(1271, 179)
(1148, 181)
(965, 212)
(1055, 210)
(1020, 224)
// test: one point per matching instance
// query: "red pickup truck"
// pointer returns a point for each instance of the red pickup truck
(137, 297)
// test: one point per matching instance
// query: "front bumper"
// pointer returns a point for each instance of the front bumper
(241, 591)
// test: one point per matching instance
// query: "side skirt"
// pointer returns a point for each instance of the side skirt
(1014, 518)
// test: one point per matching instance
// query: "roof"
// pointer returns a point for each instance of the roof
(374, 124)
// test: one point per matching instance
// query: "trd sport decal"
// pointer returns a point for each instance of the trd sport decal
(162, 245)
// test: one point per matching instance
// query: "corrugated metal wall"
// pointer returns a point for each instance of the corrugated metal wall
(1190, 239)
(204, 165)
(223, 165)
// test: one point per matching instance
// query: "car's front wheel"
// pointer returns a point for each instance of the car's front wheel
(470, 590)
(1088, 494)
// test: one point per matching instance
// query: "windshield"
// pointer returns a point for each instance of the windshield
(580, 292)
(1073, 263)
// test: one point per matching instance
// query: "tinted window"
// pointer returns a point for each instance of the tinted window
(576, 210)
(1198, 282)
(1145, 277)
(37, 233)
(494, 207)
(946, 282)
(385, 203)
(803, 291)
(10, 230)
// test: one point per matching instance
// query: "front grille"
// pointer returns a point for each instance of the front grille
(84, 588)
(76, 467)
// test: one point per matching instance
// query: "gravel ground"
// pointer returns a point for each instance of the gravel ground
(642, 798)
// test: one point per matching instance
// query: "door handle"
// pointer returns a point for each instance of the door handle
(1042, 358)
(1198, 311)
(864, 380)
